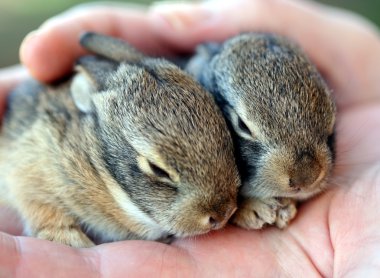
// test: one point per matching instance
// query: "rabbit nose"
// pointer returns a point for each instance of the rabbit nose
(218, 220)
(306, 171)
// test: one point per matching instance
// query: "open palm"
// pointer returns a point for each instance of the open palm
(336, 233)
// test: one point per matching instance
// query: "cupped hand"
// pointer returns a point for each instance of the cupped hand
(336, 233)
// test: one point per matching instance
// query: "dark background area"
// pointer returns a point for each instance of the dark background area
(19, 17)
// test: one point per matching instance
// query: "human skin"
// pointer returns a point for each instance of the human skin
(334, 234)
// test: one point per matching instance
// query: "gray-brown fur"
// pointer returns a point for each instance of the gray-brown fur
(281, 114)
(79, 157)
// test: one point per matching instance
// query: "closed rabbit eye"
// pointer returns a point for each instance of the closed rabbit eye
(159, 172)
(158, 175)
(331, 143)
(243, 127)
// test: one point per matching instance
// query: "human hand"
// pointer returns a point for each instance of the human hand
(337, 233)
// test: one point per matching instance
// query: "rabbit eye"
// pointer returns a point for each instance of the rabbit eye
(331, 144)
(243, 127)
(159, 172)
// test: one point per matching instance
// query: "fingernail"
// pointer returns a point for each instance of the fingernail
(181, 16)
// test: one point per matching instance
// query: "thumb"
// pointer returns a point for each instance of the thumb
(329, 36)
(187, 24)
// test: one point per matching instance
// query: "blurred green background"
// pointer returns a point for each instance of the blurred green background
(19, 17)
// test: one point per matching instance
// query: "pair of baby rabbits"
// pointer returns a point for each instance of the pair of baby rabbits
(132, 147)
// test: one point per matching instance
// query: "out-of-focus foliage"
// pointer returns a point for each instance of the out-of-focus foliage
(19, 17)
(367, 8)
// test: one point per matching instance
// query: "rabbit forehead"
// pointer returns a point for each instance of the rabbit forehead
(179, 121)
(196, 163)
(144, 98)
(185, 140)
(279, 92)
(288, 121)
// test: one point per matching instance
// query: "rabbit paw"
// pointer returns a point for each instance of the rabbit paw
(286, 212)
(254, 213)
(70, 236)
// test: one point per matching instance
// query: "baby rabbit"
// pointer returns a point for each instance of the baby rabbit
(130, 148)
(282, 117)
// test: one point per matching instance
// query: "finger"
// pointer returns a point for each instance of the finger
(30, 257)
(345, 47)
(224, 252)
(10, 222)
(9, 77)
(50, 52)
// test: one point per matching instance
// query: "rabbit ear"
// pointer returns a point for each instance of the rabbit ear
(110, 48)
(82, 88)
(91, 77)
(198, 66)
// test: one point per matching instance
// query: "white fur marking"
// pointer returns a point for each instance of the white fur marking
(155, 231)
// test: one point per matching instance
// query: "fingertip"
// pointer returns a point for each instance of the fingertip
(47, 55)
(50, 52)
(10, 221)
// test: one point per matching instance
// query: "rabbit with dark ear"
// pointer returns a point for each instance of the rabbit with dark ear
(130, 148)
(282, 117)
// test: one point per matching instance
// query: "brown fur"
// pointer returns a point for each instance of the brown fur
(77, 162)
(281, 114)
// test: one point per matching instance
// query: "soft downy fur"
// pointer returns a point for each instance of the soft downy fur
(129, 148)
(281, 114)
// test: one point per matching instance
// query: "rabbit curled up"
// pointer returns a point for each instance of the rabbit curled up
(130, 147)
(282, 116)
